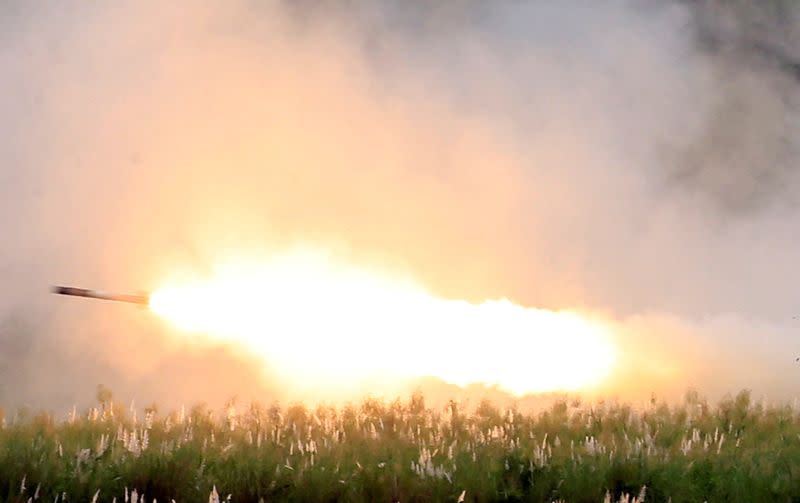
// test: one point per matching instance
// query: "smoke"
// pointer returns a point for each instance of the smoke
(633, 159)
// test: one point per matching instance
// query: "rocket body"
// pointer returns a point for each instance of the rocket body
(94, 294)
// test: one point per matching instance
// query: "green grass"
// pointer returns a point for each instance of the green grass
(405, 451)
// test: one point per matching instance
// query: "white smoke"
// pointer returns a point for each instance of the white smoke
(632, 158)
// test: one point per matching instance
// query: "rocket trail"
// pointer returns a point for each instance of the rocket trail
(143, 300)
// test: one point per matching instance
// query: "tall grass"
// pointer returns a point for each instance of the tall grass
(404, 451)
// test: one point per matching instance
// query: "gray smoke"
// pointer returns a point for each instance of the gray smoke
(632, 158)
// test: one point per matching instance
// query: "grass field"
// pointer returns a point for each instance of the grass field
(404, 451)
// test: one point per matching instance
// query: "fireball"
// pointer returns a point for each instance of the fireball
(320, 322)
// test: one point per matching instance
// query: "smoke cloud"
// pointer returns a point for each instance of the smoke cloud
(631, 159)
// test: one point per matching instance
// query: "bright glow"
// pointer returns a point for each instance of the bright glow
(320, 323)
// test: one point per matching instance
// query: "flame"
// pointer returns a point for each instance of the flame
(319, 322)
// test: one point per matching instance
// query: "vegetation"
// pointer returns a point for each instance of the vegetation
(405, 451)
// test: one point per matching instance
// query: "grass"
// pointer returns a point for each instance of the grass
(404, 451)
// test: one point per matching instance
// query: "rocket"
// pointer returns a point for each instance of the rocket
(143, 300)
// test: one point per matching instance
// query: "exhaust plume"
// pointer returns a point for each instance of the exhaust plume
(631, 160)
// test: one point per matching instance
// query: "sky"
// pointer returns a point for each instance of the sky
(635, 160)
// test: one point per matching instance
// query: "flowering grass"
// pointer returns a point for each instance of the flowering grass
(404, 451)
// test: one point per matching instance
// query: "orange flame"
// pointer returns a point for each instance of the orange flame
(319, 323)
